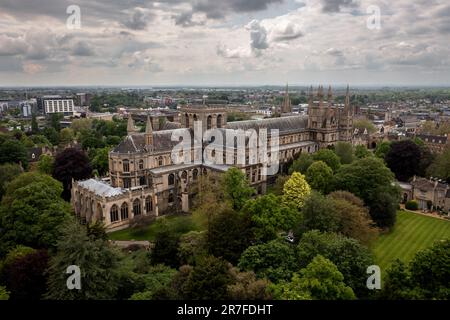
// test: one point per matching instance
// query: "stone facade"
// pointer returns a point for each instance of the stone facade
(143, 180)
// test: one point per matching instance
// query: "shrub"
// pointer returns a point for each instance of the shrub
(412, 205)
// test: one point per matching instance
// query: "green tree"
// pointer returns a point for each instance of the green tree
(318, 213)
(4, 294)
(320, 177)
(32, 210)
(247, 287)
(296, 190)
(66, 136)
(165, 250)
(52, 135)
(269, 217)
(351, 258)
(229, 235)
(397, 284)
(344, 151)
(208, 280)
(34, 124)
(362, 152)
(320, 280)
(383, 149)
(329, 157)
(236, 188)
(100, 160)
(275, 260)
(8, 172)
(98, 263)
(45, 164)
(13, 151)
(430, 273)
(192, 246)
(441, 166)
(302, 163)
(370, 180)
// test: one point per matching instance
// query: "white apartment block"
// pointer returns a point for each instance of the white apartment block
(58, 106)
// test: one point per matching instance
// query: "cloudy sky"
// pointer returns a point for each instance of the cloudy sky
(225, 42)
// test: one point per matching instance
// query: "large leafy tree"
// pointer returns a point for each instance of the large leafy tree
(8, 172)
(301, 164)
(165, 250)
(354, 220)
(382, 149)
(71, 164)
(329, 157)
(296, 190)
(13, 151)
(247, 286)
(45, 164)
(100, 160)
(351, 258)
(320, 177)
(318, 213)
(269, 217)
(440, 167)
(344, 151)
(275, 260)
(426, 277)
(32, 210)
(229, 235)
(362, 152)
(371, 180)
(97, 260)
(26, 276)
(208, 280)
(320, 280)
(404, 159)
(236, 188)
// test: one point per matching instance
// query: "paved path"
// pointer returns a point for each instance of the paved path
(126, 244)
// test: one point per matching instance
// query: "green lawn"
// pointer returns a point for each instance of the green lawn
(412, 233)
(179, 223)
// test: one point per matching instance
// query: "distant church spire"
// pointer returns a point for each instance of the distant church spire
(347, 101)
(130, 125)
(330, 97)
(286, 107)
(149, 132)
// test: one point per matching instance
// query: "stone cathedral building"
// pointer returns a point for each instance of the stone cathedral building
(144, 181)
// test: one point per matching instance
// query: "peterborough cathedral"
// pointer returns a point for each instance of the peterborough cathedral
(144, 181)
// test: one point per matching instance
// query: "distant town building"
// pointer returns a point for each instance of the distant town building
(57, 104)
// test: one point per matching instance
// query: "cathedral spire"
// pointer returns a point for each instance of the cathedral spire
(286, 107)
(130, 124)
(347, 101)
(149, 132)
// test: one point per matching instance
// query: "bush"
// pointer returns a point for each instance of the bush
(412, 205)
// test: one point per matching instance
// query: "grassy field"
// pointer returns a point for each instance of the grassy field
(179, 223)
(412, 233)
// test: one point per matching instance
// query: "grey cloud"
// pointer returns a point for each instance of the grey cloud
(83, 49)
(258, 36)
(185, 19)
(138, 20)
(332, 6)
(290, 32)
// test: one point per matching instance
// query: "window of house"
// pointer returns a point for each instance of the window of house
(195, 174)
(142, 181)
(124, 211)
(127, 183)
(171, 179)
(114, 213)
(141, 164)
(126, 166)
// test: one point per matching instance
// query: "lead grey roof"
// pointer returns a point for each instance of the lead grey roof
(285, 125)
(100, 188)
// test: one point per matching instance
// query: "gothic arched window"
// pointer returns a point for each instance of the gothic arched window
(114, 213)
(124, 211)
(137, 207)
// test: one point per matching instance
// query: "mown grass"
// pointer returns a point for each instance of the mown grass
(412, 233)
(177, 223)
